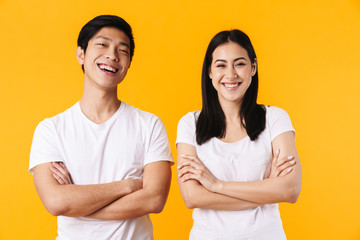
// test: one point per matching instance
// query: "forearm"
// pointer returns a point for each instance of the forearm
(75, 200)
(150, 199)
(197, 196)
(81, 200)
(267, 191)
(134, 205)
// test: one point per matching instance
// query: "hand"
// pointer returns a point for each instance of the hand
(192, 168)
(60, 173)
(281, 167)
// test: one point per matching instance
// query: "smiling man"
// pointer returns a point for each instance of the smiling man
(102, 165)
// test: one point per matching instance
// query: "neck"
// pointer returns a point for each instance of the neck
(99, 104)
(231, 111)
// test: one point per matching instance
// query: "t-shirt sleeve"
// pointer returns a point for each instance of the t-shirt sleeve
(159, 146)
(44, 145)
(279, 122)
(186, 130)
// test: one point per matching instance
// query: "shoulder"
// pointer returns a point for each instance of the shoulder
(278, 121)
(187, 127)
(273, 110)
(190, 117)
(188, 122)
(52, 122)
(138, 116)
(61, 117)
(273, 113)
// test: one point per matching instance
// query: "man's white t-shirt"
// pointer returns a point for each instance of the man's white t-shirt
(243, 161)
(101, 153)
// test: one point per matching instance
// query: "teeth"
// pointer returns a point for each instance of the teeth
(108, 68)
(231, 85)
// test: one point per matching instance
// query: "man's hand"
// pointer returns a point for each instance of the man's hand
(60, 173)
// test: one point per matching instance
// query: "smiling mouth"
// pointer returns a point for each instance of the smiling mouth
(231, 85)
(107, 68)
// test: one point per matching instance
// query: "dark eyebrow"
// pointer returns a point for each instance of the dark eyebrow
(219, 60)
(239, 58)
(110, 40)
(236, 59)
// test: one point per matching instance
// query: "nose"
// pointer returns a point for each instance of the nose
(112, 54)
(231, 73)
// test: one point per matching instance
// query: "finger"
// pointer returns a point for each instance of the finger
(186, 170)
(190, 157)
(189, 164)
(286, 165)
(58, 179)
(284, 160)
(61, 168)
(286, 171)
(59, 174)
(188, 176)
(276, 157)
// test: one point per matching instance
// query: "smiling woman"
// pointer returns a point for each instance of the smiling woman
(236, 159)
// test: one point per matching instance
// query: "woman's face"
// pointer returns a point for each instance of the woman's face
(231, 71)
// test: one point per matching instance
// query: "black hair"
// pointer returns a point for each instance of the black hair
(93, 26)
(211, 121)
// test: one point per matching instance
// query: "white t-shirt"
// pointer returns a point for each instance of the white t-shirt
(100, 153)
(244, 161)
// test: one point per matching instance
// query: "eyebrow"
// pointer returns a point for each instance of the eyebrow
(222, 60)
(109, 39)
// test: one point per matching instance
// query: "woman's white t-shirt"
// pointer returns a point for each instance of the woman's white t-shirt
(244, 161)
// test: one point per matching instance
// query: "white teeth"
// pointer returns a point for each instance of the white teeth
(231, 85)
(108, 68)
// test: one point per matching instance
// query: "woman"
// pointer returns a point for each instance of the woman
(236, 159)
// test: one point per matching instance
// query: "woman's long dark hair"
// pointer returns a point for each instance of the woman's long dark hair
(211, 121)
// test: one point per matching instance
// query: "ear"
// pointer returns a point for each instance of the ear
(210, 74)
(254, 67)
(80, 54)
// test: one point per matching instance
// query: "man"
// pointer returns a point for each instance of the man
(102, 159)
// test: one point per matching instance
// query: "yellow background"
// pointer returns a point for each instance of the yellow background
(309, 60)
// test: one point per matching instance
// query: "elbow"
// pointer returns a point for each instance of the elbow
(189, 204)
(157, 204)
(55, 206)
(293, 194)
(188, 198)
(157, 207)
(54, 209)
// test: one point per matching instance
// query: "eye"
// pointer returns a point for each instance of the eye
(220, 65)
(101, 44)
(240, 64)
(124, 51)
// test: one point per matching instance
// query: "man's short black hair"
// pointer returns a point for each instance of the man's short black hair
(93, 26)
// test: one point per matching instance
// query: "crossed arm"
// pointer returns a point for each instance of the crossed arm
(119, 200)
(200, 189)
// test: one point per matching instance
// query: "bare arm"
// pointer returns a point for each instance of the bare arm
(285, 188)
(150, 199)
(78, 200)
(196, 195)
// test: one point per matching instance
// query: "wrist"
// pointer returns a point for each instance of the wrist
(218, 186)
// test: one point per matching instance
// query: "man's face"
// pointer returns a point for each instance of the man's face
(107, 58)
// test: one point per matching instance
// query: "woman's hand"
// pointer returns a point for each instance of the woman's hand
(60, 173)
(281, 167)
(192, 168)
